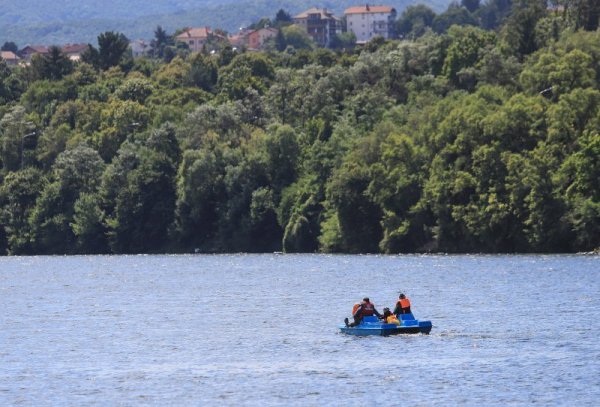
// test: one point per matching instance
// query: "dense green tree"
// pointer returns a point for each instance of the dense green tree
(10, 46)
(52, 66)
(471, 5)
(15, 132)
(465, 50)
(112, 48)
(297, 38)
(454, 15)
(203, 71)
(414, 21)
(160, 42)
(493, 12)
(518, 33)
(135, 89)
(138, 191)
(75, 172)
(11, 86)
(282, 18)
(18, 194)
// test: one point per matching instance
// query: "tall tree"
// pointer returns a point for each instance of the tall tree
(414, 21)
(112, 47)
(471, 5)
(282, 18)
(55, 64)
(160, 41)
(10, 46)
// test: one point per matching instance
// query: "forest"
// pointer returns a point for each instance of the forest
(472, 134)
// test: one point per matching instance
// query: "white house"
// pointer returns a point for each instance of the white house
(9, 57)
(139, 48)
(195, 38)
(367, 22)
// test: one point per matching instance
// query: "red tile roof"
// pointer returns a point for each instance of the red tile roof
(369, 9)
(74, 48)
(40, 49)
(8, 56)
(203, 32)
(323, 12)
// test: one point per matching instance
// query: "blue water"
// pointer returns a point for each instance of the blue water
(262, 330)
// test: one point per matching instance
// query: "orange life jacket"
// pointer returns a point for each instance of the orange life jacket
(355, 308)
(368, 309)
(404, 303)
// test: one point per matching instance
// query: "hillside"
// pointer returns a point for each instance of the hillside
(43, 22)
(459, 141)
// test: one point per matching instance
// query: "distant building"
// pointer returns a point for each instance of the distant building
(367, 22)
(258, 38)
(195, 38)
(240, 39)
(10, 57)
(139, 48)
(320, 24)
(74, 51)
(31, 50)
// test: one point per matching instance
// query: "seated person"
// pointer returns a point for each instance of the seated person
(389, 318)
(402, 306)
(364, 309)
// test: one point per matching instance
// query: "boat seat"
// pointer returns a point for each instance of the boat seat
(407, 317)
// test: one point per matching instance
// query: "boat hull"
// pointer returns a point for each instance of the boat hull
(372, 326)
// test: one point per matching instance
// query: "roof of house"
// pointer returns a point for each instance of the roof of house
(237, 39)
(40, 49)
(369, 9)
(270, 29)
(202, 32)
(8, 55)
(74, 48)
(324, 14)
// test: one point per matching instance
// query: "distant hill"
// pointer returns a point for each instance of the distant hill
(45, 22)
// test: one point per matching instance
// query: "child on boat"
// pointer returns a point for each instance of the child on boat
(389, 317)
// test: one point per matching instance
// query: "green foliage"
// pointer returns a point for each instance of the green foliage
(14, 129)
(138, 194)
(454, 15)
(18, 194)
(112, 48)
(297, 38)
(468, 140)
(75, 172)
(52, 66)
(136, 89)
(414, 21)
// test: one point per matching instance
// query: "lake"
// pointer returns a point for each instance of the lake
(263, 330)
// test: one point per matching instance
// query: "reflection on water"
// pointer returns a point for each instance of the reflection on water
(262, 329)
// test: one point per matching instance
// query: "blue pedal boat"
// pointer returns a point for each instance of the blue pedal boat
(373, 326)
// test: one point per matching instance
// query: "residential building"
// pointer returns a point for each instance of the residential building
(139, 48)
(74, 51)
(9, 57)
(30, 50)
(367, 22)
(257, 38)
(240, 39)
(195, 38)
(320, 24)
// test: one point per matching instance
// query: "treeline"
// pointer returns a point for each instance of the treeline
(468, 140)
(77, 21)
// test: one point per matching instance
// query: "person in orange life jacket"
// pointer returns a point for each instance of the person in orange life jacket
(365, 308)
(402, 306)
(389, 318)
